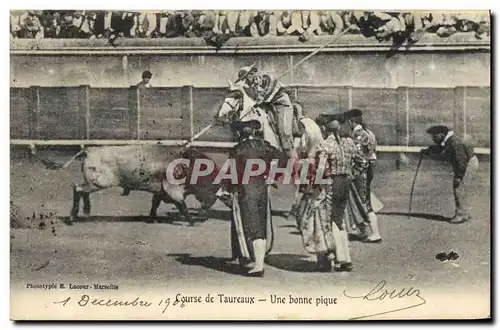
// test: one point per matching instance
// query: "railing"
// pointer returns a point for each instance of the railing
(83, 115)
(429, 42)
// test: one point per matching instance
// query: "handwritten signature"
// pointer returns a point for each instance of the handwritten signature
(380, 292)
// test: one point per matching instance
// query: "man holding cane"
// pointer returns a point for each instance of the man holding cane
(464, 162)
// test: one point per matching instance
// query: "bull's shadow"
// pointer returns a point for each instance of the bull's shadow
(219, 264)
(172, 219)
(175, 219)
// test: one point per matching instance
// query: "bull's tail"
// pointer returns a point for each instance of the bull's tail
(53, 165)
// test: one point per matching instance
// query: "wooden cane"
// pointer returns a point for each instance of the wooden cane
(413, 184)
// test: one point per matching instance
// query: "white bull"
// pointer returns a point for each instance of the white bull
(139, 168)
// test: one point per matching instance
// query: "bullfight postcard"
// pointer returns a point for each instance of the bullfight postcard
(250, 164)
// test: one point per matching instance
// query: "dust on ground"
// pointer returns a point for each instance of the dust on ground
(116, 244)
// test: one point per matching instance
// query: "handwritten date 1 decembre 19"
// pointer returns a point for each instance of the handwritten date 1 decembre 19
(179, 301)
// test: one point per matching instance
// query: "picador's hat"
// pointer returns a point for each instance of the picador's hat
(245, 71)
(353, 113)
(241, 125)
(438, 129)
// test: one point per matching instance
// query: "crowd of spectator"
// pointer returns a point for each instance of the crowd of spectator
(222, 25)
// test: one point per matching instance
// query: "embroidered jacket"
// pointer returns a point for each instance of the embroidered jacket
(266, 87)
(366, 141)
(344, 157)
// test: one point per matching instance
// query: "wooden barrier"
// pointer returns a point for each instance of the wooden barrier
(399, 117)
(32, 144)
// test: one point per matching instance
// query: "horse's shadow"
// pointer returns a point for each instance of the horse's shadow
(219, 214)
(226, 214)
(219, 264)
(291, 262)
(426, 216)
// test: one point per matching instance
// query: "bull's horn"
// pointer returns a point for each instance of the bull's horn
(230, 83)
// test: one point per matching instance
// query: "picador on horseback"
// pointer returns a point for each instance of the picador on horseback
(271, 95)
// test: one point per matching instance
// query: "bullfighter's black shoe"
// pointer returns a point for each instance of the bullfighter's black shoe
(324, 268)
(255, 274)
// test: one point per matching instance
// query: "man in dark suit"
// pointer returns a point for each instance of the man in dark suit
(251, 233)
(464, 163)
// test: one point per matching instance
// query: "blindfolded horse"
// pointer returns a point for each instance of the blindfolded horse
(238, 105)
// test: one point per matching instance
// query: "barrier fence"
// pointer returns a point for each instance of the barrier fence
(84, 115)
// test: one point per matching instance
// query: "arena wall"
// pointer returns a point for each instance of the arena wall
(80, 89)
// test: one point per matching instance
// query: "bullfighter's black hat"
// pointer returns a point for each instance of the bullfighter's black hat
(438, 129)
(353, 113)
(147, 74)
(325, 118)
(240, 125)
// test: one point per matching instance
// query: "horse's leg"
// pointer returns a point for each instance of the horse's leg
(182, 207)
(155, 203)
(203, 214)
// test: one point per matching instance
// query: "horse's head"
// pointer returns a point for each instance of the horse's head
(236, 105)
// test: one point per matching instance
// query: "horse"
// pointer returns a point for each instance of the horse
(239, 106)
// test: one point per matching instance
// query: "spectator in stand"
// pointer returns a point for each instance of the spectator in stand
(290, 23)
(50, 22)
(412, 24)
(163, 17)
(15, 22)
(382, 26)
(351, 21)
(465, 21)
(146, 24)
(311, 22)
(331, 22)
(216, 27)
(120, 24)
(245, 22)
(127, 27)
(481, 26)
(174, 27)
(263, 24)
(96, 23)
(82, 23)
(67, 29)
(205, 23)
(283, 22)
(179, 24)
(444, 24)
(379, 24)
(229, 23)
(74, 25)
(31, 27)
(187, 24)
(470, 21)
